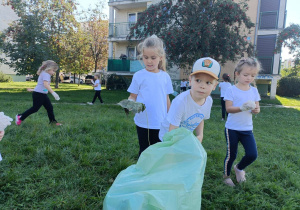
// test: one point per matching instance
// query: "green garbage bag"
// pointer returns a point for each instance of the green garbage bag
(168, 175)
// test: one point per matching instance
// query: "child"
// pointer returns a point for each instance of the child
(223, 86)
(151, 86)
(192, 107)
(97, 87)
(242, 100)
(39, 93)
(183, 84)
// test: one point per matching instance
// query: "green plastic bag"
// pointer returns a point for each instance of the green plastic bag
(168, 175)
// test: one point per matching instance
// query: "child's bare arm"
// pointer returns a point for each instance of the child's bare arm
(172, 127)
(199, 131)
(230, 108)
(1, 134)
(30, 89)
(168, 103)
(132, 96)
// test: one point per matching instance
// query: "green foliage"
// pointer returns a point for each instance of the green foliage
(117, 82)
(290, 72)
(4, 77)
(74, 165)
(289, 86)
(197, 28)
(290, 38)
(36, 36)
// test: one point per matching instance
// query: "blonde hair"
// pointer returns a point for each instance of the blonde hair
(157, 44)
(251, 62)
(46, 66)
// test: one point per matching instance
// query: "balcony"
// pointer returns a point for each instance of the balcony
(266, 64)
(124, 66)
(119, 30)
(268, 20)
(127, 4)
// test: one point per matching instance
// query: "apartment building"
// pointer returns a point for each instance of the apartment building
(268, 16)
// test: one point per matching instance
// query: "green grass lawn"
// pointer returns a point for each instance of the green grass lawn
(73, 166)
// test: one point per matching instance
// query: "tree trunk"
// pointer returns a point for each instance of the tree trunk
(56, 79)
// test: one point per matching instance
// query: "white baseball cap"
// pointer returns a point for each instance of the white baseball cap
(208, 66)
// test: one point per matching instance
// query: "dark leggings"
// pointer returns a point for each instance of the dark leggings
(39, 100)
(143, 137)
(97, 94)
(223, 108)
(233, 137)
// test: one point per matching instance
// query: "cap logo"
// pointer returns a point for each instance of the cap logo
(207, 63)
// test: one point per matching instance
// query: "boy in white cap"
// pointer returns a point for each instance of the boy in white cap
(192, 107)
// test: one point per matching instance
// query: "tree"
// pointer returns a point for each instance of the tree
(290, 38)
(97, 32)
(76, 49)
(196, 28)
(37, 34)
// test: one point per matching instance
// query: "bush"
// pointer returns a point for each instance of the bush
(5, 78)
(117, 82)
(289, 86)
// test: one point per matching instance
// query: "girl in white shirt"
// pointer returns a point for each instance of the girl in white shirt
(151, 86)
(242, 100)
(97, 87)
(223, 86)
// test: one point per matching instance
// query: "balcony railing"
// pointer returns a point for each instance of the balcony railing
(266, 64)
(120, 30)
(119, 65)
(268, 20)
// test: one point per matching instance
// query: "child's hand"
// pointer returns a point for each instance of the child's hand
(1, 134)
(29, 90)
(249, 105)
(256, 110)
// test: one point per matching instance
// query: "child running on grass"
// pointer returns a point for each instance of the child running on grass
(39, 93)
(242, 100)
(223, 86)
(151, 86)
(192, 107)
(97, 87)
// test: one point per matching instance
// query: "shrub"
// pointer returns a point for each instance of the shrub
(289, 86)
(5, 78)
(117, 82)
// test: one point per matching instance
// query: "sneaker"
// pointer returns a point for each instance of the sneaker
(58, 124)
(90, 103)
(240, 174)
(18, 121)
(228, 181)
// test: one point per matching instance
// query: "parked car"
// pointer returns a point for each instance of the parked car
(89, 79)
(71, 80)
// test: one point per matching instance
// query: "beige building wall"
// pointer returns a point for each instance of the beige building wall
(252, 14)
(7, 15)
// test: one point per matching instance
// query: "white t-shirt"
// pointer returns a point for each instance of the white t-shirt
(185, 112)
(40, 88)
(152, 90)
(97, 82)
(241, 121)
(224, 86)
(183, 83)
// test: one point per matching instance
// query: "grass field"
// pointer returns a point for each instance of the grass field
(73, 166)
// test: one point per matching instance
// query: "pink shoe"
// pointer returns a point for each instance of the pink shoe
(58, 124)
(18, 121)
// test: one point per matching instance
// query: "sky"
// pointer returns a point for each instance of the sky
(293, 16)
